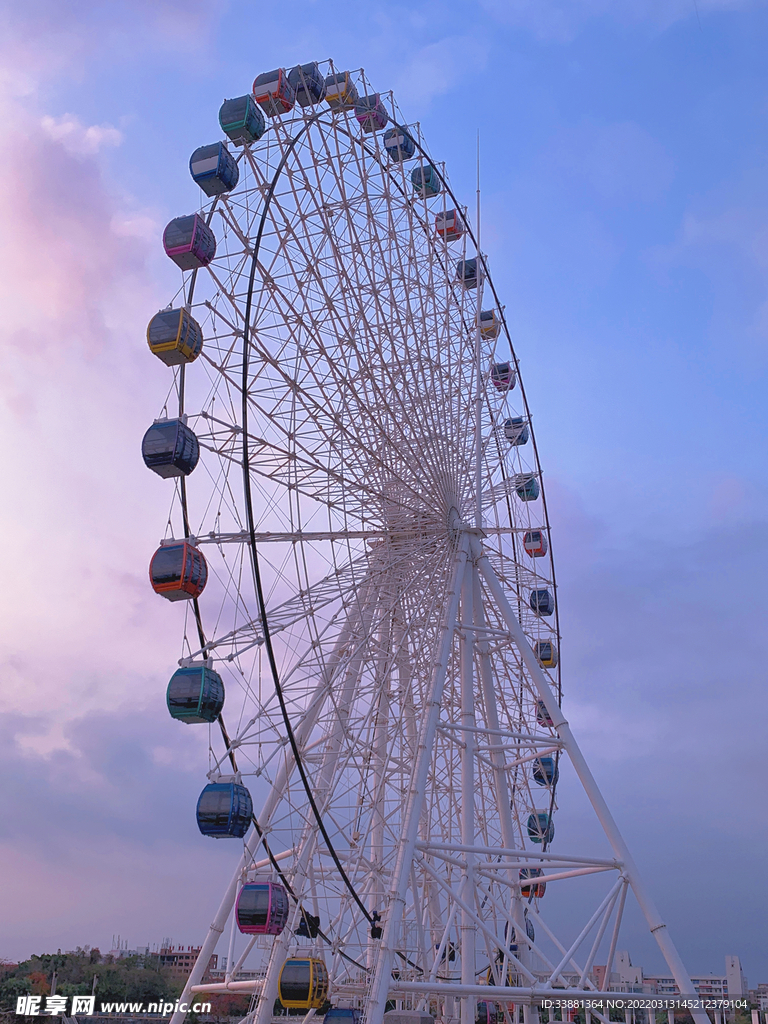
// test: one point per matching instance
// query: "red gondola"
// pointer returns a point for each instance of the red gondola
(535, 543)
(178, 571)
(274, 93)
(450, 226)
(538, 888)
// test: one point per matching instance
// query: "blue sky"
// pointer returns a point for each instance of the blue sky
(624, 152)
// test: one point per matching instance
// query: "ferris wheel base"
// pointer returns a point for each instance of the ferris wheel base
(513, 994)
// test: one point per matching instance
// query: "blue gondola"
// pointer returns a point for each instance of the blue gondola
(545, 771)
(516, 430)
(308, 83)
(426, 180)
(175, 337)
(342, 1015)
(214, 169)
(466, 273)
(541, 828)
(399, 144)
(541, 602)
(340, 91)
(241, 120)
(527, 488)
(170, 448)
(224, 810)
(546, 653)
(195, 694)
(503, 376)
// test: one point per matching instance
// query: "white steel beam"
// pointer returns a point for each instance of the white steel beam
(655, 923)
(396, 897)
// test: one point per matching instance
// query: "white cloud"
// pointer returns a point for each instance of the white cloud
(78, 139)
(434, 69)
(620, 161)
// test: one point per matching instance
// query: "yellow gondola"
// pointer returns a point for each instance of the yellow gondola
(303, 984)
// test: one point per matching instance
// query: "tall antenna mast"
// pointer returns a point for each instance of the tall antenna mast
(478, 379)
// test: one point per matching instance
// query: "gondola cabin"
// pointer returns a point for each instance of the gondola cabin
(503, 376)
(342, 1015)
(189, 242)
(546, 653)
(178, 571)
(370, 113)
(543, 717)
(214, 169)
(541, 602)
(308, 84)
(274, 93)
(516, 430)
(241, 120)
(513, 943)
(195, 694)
(426, 180)
(535, 543)
(224, 810)
(545, 771)
(262, 908)
(170, 448)
(303, 984)
(340, 91)
(175, 337)
(399, 144)
(527, 487)
(485, 1013)
(449, 224)
(536, 889)
(540, 827)
(467, 273)
(490, 324)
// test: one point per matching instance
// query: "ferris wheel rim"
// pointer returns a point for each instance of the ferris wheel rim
(321, 118)
(317, 119)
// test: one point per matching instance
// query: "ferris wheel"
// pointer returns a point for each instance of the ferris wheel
(359, 544)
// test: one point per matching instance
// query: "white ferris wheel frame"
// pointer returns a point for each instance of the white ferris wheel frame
(426, 590)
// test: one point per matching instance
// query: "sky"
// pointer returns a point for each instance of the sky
(624, 149)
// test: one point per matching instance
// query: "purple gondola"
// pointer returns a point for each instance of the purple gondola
(262, 908)
(371, 113)
(189, 242)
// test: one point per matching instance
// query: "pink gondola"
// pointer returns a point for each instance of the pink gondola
(262, 908)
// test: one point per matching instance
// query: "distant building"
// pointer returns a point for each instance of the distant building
(179, 961)
(737, 983)
(731, 985)
(625, 977)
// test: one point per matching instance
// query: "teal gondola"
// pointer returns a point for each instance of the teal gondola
(195, 694)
